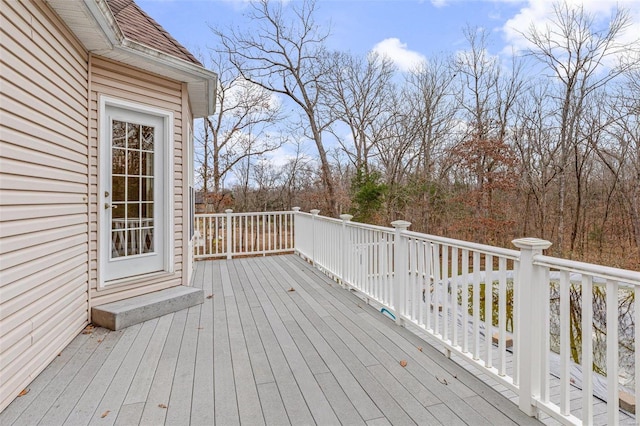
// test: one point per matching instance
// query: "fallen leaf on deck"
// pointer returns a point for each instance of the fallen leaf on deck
(99, 340)
(105, 414)
(292, 289)
(420, 348)
(210, 296)
(443, 381)
(403, 363)
(24, 392)
(162, 406)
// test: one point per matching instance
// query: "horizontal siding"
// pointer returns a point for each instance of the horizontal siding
(43, 191)
(119, 81)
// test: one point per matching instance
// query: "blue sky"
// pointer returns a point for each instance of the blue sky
(403, 29)
(407, 31)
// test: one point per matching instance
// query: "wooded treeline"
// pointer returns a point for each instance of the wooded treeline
(467, 145)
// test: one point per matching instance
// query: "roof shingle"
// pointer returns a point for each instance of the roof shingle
(137, 26)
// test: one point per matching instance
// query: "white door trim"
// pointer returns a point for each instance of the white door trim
(168, 183)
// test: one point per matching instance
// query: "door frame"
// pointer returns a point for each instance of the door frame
(104, 166)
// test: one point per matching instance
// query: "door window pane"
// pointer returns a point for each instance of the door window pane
(132, 186)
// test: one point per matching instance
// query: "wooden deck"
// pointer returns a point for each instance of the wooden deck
(275, 342)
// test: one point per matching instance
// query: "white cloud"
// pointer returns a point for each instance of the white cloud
(439, 3)
(539, 12)
(397, 51)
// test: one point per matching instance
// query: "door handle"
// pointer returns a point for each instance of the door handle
(108, 206)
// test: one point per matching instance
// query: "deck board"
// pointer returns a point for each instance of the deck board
(257, 353)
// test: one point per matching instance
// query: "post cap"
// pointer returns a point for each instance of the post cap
(346, 217)
(295, 209)
(532, 243)
(314, 212)
(401, 224)
(228, 211)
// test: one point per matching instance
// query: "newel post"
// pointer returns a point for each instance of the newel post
(314, 213)
(229, 234)
(529, 322)
(296, 237)
(344, 248)
(400, 262)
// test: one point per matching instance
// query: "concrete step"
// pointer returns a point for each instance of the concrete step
(127, 312)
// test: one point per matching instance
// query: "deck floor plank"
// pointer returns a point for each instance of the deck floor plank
(130, 414)
(40, 383)
(155, 408)
(88, 403)
(180, 400)
(67, 400)
(226, 404)
(114, 396)
(380, 397)
(278, 315)
(45, 400)
(256, 353)
(246, 301)
(202, 411)
(379, 341)
(248, 400)
(292, 398)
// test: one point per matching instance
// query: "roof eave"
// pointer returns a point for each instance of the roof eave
(201, 82)
(103, 37)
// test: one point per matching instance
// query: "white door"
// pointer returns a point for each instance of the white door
(132, 186)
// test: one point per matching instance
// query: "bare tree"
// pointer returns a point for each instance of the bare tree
(357, 94)
(582, 59)
(240, 129)
(430, 90)
(536, 148)
(286, 55)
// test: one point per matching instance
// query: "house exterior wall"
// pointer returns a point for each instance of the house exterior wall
(44, 265)
(116, 80)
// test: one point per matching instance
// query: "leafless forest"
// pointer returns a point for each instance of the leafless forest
(471, 145)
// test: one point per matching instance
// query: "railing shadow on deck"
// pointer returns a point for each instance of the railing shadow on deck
(529, 319)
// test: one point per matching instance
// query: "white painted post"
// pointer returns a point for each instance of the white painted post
(399, 269)
(296, 237)
(229, 234)
(314, 213)
(529, 323)
(344, 249)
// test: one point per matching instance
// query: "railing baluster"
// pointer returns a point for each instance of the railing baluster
(428, 259)
(422, 279)
(516, 324)
(502, 315)
(454, 296)
(438, 282)
(587, 349)
(465, 301)
(476, 306)
(446, 282)
(613, 410)
(544, 344)
(488, 310)
(565, 348)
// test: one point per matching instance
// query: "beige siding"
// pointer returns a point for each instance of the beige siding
(119, 81)
(43, 192)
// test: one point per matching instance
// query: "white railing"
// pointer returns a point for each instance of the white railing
(517, 304)
(508, 312)
(242, 234)
(604, 331)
